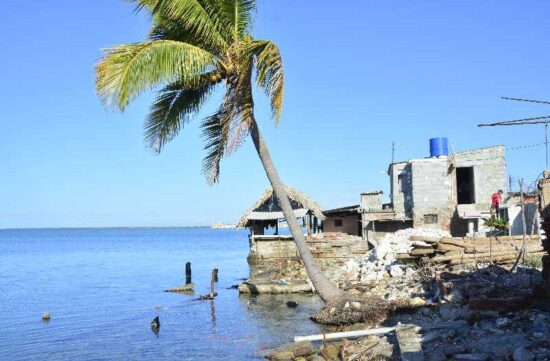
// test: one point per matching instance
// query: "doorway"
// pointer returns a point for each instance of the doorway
(465, 188)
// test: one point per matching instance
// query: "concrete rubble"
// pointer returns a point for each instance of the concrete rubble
(460, 326)
(466, 312)
(381, 260)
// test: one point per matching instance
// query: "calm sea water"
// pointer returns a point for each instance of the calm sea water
(104, 286)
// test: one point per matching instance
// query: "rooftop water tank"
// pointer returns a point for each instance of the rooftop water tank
(439, 147)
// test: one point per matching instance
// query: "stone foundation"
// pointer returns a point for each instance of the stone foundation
(329, 249)
(276, 267)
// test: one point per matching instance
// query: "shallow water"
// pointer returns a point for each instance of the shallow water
(104, 286)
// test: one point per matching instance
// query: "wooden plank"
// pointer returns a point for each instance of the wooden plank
(421, 251)
(448, 247)
(424, 239)
(404, 256)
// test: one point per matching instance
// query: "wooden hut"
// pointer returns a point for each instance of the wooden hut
(266, 213)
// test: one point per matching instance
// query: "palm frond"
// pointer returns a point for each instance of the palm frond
(173, 107)
(239, 13)
(269, 72)
(200, 17)
(127, 70)
(226, 130)
(214, 132)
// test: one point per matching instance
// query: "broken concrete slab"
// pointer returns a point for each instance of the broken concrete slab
(409, 343)
(291, 351)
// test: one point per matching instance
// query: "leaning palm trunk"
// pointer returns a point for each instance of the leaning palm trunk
(325, 288)
(193, 46)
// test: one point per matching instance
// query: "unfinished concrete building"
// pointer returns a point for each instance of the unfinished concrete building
(448, 192)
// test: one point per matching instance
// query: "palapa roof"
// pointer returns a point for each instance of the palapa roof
(267, 209)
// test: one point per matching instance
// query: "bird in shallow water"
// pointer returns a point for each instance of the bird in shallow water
(155, 324)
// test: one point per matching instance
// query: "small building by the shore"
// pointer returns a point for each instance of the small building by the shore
(263, 220)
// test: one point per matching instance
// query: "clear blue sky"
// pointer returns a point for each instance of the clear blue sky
(359, 75)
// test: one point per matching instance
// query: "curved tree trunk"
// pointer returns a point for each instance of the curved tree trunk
(325, 288)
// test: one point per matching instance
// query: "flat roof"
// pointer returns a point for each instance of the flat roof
(444, 157)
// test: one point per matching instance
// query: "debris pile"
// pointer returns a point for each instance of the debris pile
(384, 258)
(421, 246)
(500, 250)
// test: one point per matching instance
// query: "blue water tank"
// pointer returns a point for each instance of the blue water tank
(439, 147)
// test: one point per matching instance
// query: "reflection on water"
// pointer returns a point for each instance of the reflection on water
(213, 313)
(104, 286)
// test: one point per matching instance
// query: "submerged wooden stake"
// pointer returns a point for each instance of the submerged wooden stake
(213, 280)
(188, 273)
(215, 274)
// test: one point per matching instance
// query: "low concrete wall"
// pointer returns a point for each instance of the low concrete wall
(329, 249)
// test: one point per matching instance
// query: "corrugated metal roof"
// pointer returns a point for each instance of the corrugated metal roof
(267, 216)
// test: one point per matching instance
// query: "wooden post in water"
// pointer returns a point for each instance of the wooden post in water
(215, 274)
(213, 281)
(188, 273)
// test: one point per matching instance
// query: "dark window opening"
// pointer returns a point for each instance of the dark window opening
(465, 185)
(338, 223)
(430, 219)
(400, 183)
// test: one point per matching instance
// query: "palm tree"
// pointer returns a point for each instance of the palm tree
(194, 46)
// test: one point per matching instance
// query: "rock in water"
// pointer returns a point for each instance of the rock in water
(291, 351)
(292, 304)
(46, 316)
(155, 324)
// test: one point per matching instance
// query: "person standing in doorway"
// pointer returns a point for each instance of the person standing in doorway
(496, 199)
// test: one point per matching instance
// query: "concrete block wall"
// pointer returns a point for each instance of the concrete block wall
(328, 249)
(432, 191)
(489, 172)
(371, 201)
(402, 201)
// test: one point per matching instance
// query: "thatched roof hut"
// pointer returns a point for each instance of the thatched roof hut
(267, 212)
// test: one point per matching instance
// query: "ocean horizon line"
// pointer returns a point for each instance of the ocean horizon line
(99, 227)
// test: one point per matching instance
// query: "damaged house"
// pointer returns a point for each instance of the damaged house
(445, 191)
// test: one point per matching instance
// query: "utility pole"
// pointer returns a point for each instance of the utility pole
(524, 226)
(546, 142)
(393, 153)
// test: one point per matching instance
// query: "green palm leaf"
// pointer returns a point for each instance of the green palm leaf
(127, 70)
(239, 14)
(214, 132)
(199, 17)
(269, 72)
(173, 107)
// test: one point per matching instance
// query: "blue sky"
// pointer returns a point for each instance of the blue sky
(359, 75)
